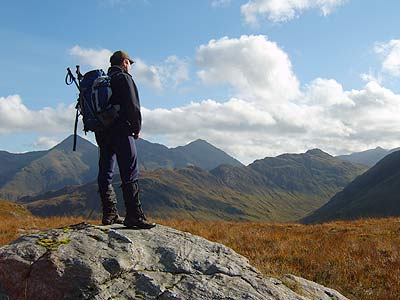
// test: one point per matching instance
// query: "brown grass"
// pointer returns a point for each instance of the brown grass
(360, 259)
(16, 220)
(11, 229)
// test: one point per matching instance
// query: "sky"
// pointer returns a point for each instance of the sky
(255, 78)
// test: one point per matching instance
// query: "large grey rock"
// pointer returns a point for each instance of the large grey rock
(91, 262)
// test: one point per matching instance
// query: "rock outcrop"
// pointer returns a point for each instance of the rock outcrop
(90, 262)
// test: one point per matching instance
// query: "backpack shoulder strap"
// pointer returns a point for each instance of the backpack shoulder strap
(112, 74)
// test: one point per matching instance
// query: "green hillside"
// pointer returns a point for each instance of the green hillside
(285, 188)
(314, 172)
(11, 163)
(53, 169)
(376, 193)
(164, 193)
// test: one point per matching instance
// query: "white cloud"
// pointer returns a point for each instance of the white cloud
(236, 115)
(333, 120)
(175, 70)
(370, 76)
(97, 59)
(285, 10)
(277, 115)
(45, 143)
(327, 92)
(16, 117)
(172, 71)
(148, 75)
(390, 53)
(254, 66)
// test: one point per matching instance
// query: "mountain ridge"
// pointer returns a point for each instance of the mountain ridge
(367, 157)
(372, 194)
(38, 172)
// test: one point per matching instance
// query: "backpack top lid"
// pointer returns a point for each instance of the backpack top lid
(89, 78)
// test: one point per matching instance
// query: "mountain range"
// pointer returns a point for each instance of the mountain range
(282, 188)
(376, 193)
(200, 181)
(34, 173)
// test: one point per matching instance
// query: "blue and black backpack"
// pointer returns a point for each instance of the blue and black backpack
(94, 101)
(94, 104)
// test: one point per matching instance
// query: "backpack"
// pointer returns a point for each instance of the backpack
(94, 100)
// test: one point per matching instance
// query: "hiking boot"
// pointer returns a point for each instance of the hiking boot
(135, 217)
(109, 204)
(109, 220)
(138, 224)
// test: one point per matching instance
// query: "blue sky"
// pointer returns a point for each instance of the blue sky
(255, 78)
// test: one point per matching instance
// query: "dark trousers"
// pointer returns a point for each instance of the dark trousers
(116, 147)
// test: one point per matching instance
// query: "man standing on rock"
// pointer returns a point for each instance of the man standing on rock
(117, 142)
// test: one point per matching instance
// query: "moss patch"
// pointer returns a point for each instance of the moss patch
(51, 244)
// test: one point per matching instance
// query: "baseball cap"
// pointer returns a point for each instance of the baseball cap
(119, 56)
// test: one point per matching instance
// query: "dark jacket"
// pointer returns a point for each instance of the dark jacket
(125, 94)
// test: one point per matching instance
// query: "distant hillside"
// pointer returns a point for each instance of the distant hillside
(165, 193)
(376, 193)
(369, 157)
(38, 172)
(11, 163)
(10, 210)
(285, 188)
(293, 185)
(52, 169)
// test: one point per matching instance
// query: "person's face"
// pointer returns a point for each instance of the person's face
(126, 65)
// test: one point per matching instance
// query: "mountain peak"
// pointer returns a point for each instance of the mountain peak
(202, 153)
(199, 142)
(318, 152)
(67, 144)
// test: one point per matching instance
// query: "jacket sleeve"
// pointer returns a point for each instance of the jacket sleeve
(132, 102)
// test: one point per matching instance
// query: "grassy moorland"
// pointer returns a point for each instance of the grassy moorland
(16, 220)
(361, 259)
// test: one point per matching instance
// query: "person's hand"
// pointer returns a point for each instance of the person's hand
(136, 136)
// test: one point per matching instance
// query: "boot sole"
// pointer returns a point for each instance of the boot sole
(140, 226)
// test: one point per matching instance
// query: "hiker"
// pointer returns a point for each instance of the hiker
(117, 142)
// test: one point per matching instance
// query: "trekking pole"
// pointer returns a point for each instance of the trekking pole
(71, 78)
(68, 80)
(79, 74)
(75, 129)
